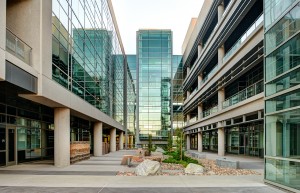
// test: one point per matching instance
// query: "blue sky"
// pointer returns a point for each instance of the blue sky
(154, 14)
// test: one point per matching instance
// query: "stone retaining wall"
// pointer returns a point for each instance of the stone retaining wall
(80, 150)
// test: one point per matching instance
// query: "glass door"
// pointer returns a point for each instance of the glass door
(2, 145)
(11, 147)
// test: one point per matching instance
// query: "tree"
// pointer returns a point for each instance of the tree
(170, 142)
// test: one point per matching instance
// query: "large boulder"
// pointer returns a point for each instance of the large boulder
(194, 169)
(147, 168)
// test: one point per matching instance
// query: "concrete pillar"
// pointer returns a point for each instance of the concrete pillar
(200, 111)
(188, 142)
(221, 141)
(259, 114)
(188, 93)
(113, 142)
(221, 98)
(121, 140)
(188, 70)
(2, 38)
(98, 132)
(200, 47)
(200, 142)
(244, 118)
(220, 11)
(200, 78)
(188, 117)
(61, 137)
(221, 54)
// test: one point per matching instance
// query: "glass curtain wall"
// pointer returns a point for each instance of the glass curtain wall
(32, 123)
(210, 140)
(84, 50)
(246, 139)
(282, 106)
(177, 80)
(154, 79)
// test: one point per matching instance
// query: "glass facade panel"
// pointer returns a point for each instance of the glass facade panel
(87, 56)
(282, 134)
(154, 90)
(274, 9)
(284, 29)
(283, 59)
(283, 172)
(282, 125)
(284, 82)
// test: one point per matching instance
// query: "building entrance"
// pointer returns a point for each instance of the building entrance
(244, 143)
(11, 147)
(2, 145)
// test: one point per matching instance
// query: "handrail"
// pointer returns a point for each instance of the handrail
(249, 31)
(244, 94)
(210, 74)
(18, 47)
(210, 111)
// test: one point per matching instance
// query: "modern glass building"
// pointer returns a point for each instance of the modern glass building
(64, 82)
(177, 117)
(282, 107)
(154, 66)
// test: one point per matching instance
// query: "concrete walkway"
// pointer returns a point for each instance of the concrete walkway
(245, 162)
(98, 175)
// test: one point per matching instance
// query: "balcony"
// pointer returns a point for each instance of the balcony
(244, 37)
(210, 111)
(193, 92)
(248, 92)
(17, 47)
(193, 119)
(210, 74)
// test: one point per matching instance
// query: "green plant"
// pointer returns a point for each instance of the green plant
(170, 142)
(150, 144)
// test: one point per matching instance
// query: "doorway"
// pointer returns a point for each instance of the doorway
(2, 145)
(11, 145)
(244, 144)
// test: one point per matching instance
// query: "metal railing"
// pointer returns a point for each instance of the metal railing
(210, 74)
(17, 47)
(193, 119)
(193, 92)
(248, 92)
(210, 111)
(251, 29)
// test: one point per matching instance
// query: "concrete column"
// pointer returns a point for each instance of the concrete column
(221, 54)
(98, 132)
(244, 118)
(200, 111)
(221, 141)
(188, 93)
(188, 117)
(2, 38)
(221, 98)
(200, 47)
(200, 78)
(220, 11)
(200, 142)
(121, 140)
(259, 114)
(61, 137)
(113, 142)
(188, 142)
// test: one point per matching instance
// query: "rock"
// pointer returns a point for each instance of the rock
(147, 168)
(159, 149)
(194, 169)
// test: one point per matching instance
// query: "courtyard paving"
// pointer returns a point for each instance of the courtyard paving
(99, 175)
